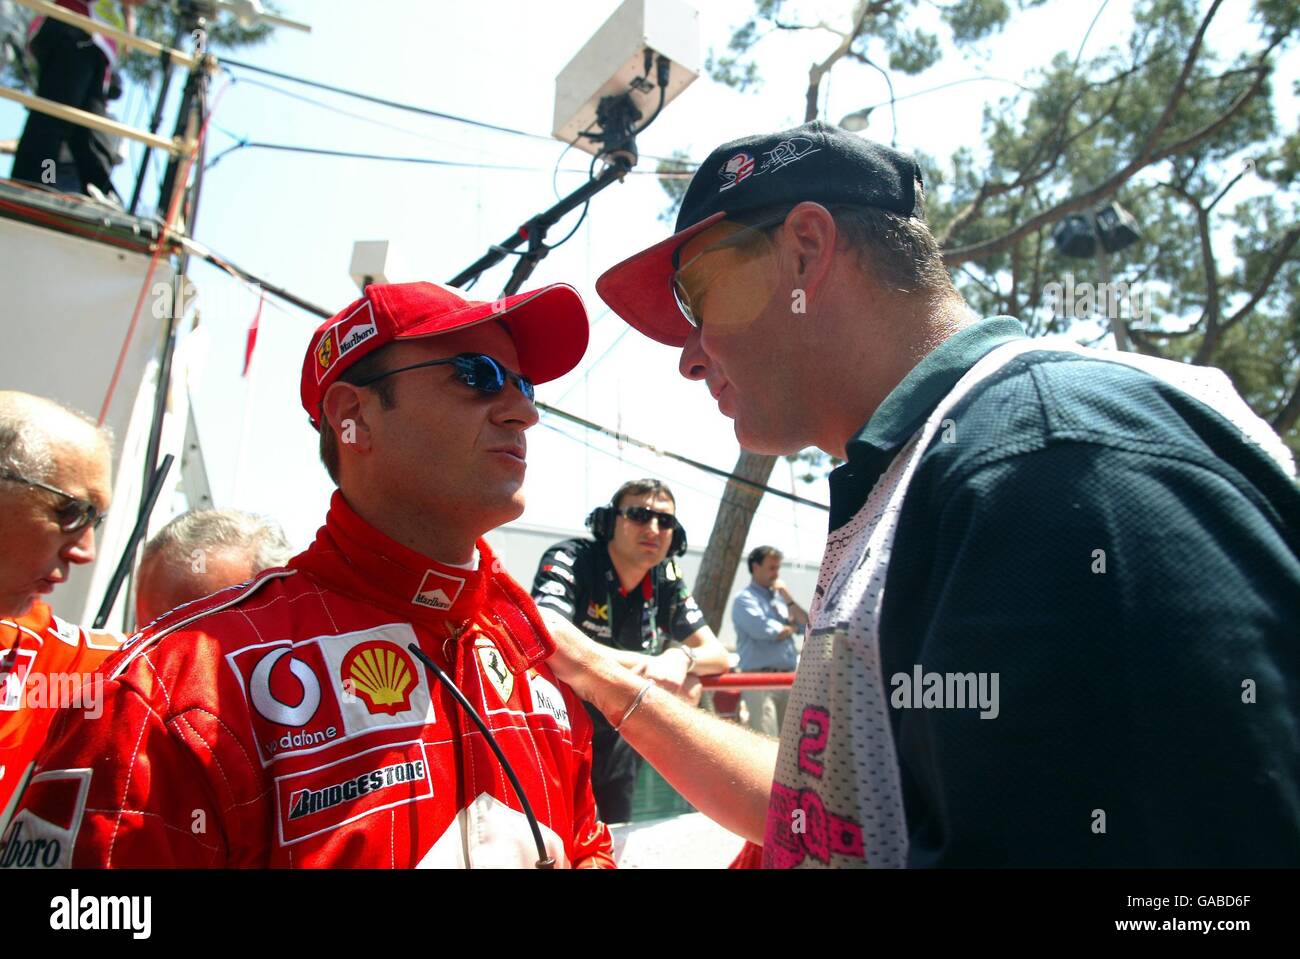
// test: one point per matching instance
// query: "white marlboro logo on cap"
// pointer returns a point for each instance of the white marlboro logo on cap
(355, 330)
(438, 590)
(343, 337)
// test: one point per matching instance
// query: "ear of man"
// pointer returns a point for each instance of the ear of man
(346, 407)
(811, 237)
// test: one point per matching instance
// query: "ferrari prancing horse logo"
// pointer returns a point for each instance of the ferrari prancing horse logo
(494, 668)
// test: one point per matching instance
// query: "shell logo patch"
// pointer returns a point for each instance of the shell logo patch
(381, 675)
(494, 668)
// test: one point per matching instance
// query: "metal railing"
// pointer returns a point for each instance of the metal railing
(83, 118)
(746, 682)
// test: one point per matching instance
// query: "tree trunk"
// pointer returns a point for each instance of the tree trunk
(727, 541)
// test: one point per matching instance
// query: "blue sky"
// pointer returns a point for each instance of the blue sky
(293, 219)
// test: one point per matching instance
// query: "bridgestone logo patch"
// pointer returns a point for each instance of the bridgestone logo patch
(306, 802)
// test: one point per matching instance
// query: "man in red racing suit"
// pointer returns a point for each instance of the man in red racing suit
(285, 722)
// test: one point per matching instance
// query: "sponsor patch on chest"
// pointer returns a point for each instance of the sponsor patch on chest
(438, 590)
(42, 835)
(494, 668)
(548, 699)
(304, 697)
(339, 793)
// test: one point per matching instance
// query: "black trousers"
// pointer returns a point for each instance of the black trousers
(72, 72)
(614, 767)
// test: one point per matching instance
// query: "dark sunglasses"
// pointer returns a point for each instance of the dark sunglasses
(642, 516)
(477, 370)
(75, 515)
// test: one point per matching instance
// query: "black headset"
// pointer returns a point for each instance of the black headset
(601, 522)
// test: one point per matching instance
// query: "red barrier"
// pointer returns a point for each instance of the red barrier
(739, 682)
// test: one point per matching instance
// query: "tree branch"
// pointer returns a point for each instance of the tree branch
(1287, 417)
(865, 8)
(1180, 85)
(1144, 343)
(1083, 201)
(1210, 342)
(989, 190)
(1275, 264)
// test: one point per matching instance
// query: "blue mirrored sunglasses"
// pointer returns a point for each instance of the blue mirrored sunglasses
(476, 370)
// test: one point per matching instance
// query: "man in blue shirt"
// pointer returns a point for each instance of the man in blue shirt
(766, 619)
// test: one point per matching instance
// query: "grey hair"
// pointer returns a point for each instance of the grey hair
(30, 427)
(260, 538)
(898, 252)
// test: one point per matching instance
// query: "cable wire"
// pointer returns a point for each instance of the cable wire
(243, 144)
(409, 108)
(633, 441)
(203, 252)
(329, 107)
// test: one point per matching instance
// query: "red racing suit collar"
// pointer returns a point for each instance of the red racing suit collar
(351, 556)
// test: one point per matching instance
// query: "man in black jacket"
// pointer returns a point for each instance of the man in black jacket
(624, 590)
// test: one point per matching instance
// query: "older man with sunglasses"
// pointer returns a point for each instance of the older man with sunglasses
(624, 590)
(54, 490)
(382, 700)
(1055, 622)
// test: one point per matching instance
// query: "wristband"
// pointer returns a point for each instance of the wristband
(635, 703)
(690, 656)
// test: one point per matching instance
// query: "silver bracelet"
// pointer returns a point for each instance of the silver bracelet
(635, 703)
(690, 656)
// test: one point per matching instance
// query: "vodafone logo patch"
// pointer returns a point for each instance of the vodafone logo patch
(272, 707)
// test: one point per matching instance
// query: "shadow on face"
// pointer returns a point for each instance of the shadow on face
(37, 554)
(643, 544)
(446, 449)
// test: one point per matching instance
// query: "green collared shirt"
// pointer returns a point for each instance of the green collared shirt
(905, 408)
(1129, 567)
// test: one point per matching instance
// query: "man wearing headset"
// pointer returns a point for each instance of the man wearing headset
(624, 590)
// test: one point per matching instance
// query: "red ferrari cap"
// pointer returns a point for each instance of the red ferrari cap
(549, 328)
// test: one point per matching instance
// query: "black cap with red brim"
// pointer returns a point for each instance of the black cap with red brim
(816, 162)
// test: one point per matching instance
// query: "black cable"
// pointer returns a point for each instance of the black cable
(242, 144)
(196, 190)
(543, 860)
(555, 174)
(663, 64)
(331, 108)
(423, 111)
(210, 257)
(148, 499)
(624, 438)
(351, 155)
(591, 175)
(411, 109)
